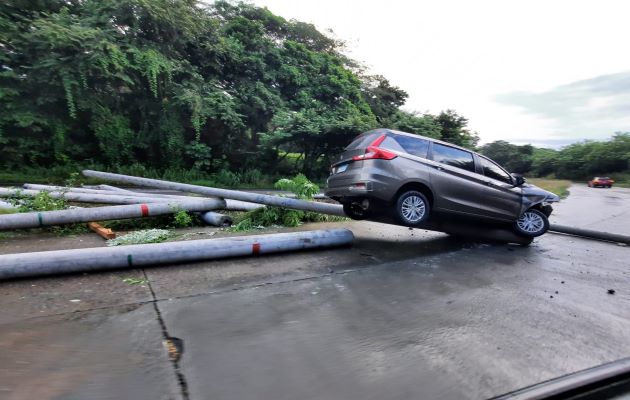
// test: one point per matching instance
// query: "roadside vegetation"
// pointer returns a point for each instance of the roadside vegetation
(260, 218)
(557, 186)
(225, 94)
(579, 161)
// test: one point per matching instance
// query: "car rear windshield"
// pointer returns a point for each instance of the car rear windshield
(363, 140)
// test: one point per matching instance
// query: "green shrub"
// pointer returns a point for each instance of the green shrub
(182, 219)
(270, 216)
(300, 186)
(41, 202)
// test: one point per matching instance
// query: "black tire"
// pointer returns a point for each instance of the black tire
(355, 212)
(412, 208)
(528, 242)
(532, 223)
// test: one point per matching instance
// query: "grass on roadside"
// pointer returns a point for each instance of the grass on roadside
(621, 179)
(557, 186)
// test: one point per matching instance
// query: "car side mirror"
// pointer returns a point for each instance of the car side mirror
(518, 180)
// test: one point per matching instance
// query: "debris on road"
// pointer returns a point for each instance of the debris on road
(103, 232)
(135, 281)
(611, 291)
(141, 237)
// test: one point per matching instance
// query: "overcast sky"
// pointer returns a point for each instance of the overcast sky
(547, 72)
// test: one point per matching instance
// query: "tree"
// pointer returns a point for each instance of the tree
(453, 129)
(384, 99)
(512, 157)
(180, 84)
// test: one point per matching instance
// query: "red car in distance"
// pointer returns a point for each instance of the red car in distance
(599, 181)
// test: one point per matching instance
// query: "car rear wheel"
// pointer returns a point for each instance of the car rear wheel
(412, 208)
(532, 223)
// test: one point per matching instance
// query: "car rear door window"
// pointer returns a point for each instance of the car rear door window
(492, 170)
(415, 146)
(454, 157)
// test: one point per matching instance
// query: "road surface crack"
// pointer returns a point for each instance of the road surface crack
(173, 345)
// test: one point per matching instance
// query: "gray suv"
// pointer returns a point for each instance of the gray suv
(413, 178)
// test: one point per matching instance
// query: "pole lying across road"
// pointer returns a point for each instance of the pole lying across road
(105, 258)
(61, 217)
(605, 236)
(324, 208)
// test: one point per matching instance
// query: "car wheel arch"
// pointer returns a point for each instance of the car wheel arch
(420, 187)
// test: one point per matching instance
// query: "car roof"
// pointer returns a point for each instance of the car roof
(387, 130)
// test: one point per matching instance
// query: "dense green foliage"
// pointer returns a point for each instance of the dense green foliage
(226, 94)
(180, 85)
(577, 161)
(303, 189)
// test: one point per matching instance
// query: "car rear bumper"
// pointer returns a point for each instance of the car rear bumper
(357, 183)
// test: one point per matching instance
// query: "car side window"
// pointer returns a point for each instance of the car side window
(492, 170)
(452, 156)
(415, 146)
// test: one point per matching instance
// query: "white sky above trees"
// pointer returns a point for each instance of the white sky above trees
(546, 72)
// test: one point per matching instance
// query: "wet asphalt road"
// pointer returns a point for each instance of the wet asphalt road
(402, 314)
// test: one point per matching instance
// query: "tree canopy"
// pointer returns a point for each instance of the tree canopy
(183, 84)
(577, 161)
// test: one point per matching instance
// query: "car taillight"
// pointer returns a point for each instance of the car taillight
(373, 152)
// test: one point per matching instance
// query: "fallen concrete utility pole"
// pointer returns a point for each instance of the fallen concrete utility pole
(215, 219)
(114, 189)
(587, 233)
(233, 205)
(104, 198)
(7, 206)
(105, 258)
(61, 217)
(125, 193)
(277, 201)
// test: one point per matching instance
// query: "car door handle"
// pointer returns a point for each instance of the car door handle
(438, 168)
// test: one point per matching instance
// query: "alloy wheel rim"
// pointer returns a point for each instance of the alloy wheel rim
(413, 208)
(530, 222)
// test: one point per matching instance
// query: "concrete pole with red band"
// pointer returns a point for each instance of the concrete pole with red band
(94, 198)
(278, 201)
(61, 217)
(105, 258)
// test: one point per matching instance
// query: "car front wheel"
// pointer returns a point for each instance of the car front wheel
(412, 208)
(532, 223)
